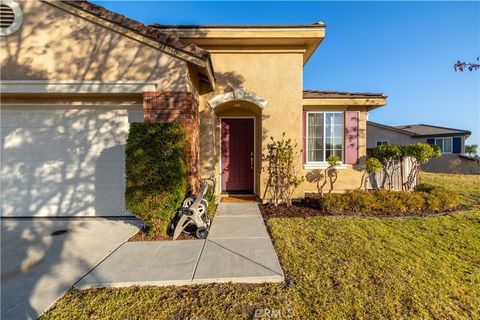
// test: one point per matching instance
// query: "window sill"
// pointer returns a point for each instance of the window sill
(312, 166)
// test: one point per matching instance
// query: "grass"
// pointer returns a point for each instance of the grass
(335, 268)
(467, 185)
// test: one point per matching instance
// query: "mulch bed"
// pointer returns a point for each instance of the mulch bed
(310, 207)
(304, 208)
(142, 236)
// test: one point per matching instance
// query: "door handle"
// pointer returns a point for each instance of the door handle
(251, 160)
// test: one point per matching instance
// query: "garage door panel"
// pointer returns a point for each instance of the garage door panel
(48, 145)
(28, 118)
(52, 204)
(64, 162)
(98, 172)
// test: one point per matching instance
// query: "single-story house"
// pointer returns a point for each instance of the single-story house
(451, 142)
(74, 75)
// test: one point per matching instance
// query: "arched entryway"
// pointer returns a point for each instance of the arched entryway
(238, 119)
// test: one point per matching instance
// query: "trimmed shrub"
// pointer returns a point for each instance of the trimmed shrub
(372, 165)
(385, 202)
(156, 173)
(425, 187)
(419, 154)
(387, 154)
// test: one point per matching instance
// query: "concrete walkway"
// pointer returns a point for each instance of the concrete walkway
(37, 268)
(238, 249)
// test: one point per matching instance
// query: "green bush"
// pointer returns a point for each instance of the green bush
(386, 202)
(373, 165)
(425, 187)
(156, 173)
(387, 154)
(419, 154)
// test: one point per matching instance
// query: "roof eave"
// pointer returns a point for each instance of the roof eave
(309, 36)
(387, 127)
(370, 102)
(452, 134)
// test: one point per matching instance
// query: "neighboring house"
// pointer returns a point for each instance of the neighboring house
(74, 75)
(451, 142)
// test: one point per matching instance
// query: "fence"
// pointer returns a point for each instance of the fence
(402, 168)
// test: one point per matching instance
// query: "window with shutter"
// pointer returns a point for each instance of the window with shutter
(323, 136)
(445, 144)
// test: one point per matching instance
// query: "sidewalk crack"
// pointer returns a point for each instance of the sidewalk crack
(198, 260)
(248, 259)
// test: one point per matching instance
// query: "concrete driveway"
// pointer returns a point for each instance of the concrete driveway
(38, 267)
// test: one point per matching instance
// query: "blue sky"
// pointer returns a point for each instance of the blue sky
(403, 49)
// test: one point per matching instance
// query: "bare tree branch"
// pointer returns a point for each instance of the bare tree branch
(460, 66)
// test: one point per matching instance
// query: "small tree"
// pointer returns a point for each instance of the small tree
(388, 154)
(282, 176)
(372, 165)
(329, 175)
(471, 149)
(332, 171)
(419, 154)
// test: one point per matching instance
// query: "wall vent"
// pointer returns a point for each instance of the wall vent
(7, 16)
(11, 17)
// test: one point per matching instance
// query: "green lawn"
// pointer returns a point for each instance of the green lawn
(468, 185)
(335, 268)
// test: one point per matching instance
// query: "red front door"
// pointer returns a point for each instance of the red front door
(237, 155)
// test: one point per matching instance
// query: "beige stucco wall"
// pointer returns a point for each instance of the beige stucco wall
(277, 77)
(55, 45)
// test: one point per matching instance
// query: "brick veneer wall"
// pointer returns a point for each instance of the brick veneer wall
(177, 107)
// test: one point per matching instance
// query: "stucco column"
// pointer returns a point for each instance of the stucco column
(177, 107)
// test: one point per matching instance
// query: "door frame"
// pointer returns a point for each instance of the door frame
(220, 191)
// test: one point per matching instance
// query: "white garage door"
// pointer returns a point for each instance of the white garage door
(64, 161)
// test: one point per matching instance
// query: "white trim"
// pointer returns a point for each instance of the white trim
(17, 19)
(443, 144)
(342, 102)
(323, 164)
(258, 51)
(76, 86)
(254, 150)
(237, 94)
